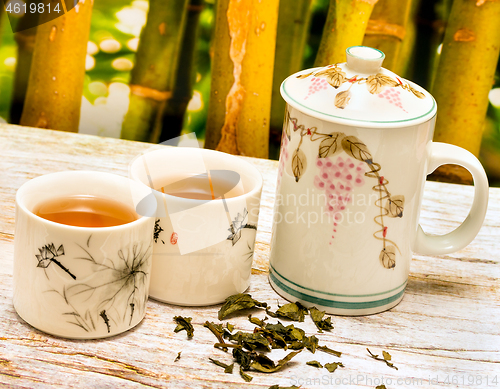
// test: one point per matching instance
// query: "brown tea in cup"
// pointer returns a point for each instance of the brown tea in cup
(86, 211)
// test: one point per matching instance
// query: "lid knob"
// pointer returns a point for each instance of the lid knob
(364, 59)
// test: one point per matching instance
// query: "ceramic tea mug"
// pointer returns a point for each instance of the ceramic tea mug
(208, 206)
(356, 149)
(81, 282)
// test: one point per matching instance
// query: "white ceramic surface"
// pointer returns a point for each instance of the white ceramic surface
(81, 282)
(203, 250)
(350, 183)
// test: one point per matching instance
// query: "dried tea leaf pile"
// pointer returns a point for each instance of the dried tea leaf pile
(249, 348)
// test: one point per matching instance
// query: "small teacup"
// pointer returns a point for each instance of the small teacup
(77, 281)
(206, 222)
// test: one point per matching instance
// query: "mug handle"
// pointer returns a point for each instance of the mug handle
(443, 154)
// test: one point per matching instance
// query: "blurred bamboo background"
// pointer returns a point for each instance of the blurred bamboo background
(152, 70)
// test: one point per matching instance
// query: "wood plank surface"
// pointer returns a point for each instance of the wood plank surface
(444, 334)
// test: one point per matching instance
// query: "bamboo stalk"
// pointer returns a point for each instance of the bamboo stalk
(55, 87)
(244, 46)
(175, 107)
(442, 13)
(387, 29)
(345, 26)
(25, 40)
(153, 74)
(293, 28)
(407, 51)
(465, 72)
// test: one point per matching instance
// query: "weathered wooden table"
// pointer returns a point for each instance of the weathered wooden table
(444, 334)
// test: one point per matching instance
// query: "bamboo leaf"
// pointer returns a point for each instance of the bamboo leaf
(388, 257)
(356, 149)
(299, 164)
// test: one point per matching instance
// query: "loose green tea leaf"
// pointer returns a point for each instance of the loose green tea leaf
(381, 387)
(224, 346)
(245, 376)
(230, 327)
(263, 361)
(244, 358)
(227, 368)
(217, 330)
(314, 363)
(317, 317)
(184, 323)
(268, 369)
(178, 356)
(284, 387)
(294, 333)
(251, 341)
(238, 302)
(293, 311)
(275, 339)
(329, 351)
(257, 321)
(311, 343)
(386, 359)
(331, 367)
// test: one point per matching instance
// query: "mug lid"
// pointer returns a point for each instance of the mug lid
(359, 92)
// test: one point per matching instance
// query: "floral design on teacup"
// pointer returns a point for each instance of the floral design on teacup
(48, 255)
(111, 292)
(236, 227)
(336, 143)
(338, 179)
(335, 77)
(157, 231)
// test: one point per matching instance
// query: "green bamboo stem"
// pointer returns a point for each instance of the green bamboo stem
(345, 26)
(153, 74)
(25, 40)
(240, 106)
(175, 107)
(407, 48)
(293, 27)
(55, 87)
(443, 10)
(387, 29)
(465, 72)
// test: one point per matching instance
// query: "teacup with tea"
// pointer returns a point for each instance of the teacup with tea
(206, 222)
(82, 254)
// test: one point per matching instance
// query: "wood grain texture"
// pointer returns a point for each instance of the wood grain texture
(447, 324)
